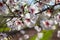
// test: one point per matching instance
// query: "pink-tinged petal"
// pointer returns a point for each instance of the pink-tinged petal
(31, 9)
(18, 23)
(27, 16)
(39, 4)
(58, 0)
(59, 16)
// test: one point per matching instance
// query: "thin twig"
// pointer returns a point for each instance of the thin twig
(9, 8)
(48, 8)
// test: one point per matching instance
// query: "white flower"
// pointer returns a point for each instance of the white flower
(53, 27)
(2, 39)
(22, 15)
(55, 22)
(3, 34)
(23, 3)
(20, 39)
(39, 5)
(47, 23)
(14, 19)
(40, 35)
(33, 21)
(28, 23)
(26, 36)
(22, 31)
(9, 23)
(15, 0)
(7, 2)
(27, 15)
(37, 28)
(58, 13)
(57, 1)
(58, 34)
(19, 27)
(57, 17)
(6, 11)
(33, 9)
(16, 7)
(50, 21)
(47, 14)
(5, 38)
(8, 19)
(18, 22)
(3, 9)
(34, 18)
(13, 9)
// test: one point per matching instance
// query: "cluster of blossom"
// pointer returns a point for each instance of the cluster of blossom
(50, 23)
(27, 12)
(3, 36)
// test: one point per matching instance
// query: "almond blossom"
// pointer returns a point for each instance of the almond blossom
(26, 36)
(15, 24)
(57, 1)
(58, 34)
(47, 24)
(3, 37)
(33, 9)
(22, 14)
(40, 35)
(57, 17)
(22, 31)
(47, 13)
(3, 9)
(38, 29)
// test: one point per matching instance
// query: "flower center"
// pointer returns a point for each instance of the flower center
(47, 23)
(58, 0)
(1, 4)
(18, 23)
(28, 20)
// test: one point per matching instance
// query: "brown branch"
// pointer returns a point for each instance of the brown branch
(47, 8)
(9, 8)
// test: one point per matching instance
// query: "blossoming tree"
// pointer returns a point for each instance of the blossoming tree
(37, 14)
